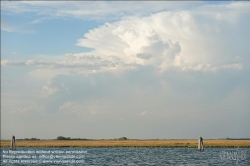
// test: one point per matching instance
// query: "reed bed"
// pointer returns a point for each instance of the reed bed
(128, 143)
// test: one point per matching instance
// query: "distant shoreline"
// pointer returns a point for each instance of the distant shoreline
(219, 143)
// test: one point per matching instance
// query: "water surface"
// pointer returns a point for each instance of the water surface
(130, 156)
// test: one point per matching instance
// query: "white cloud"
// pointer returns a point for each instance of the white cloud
(10, 27)
(84, 10)
(207, 67)
(71, 107)
(47, 90)
(82, 108)
(32, 108)
(7, 27)
(6, 62)
(143, 113)
(150, 113)
(71, 64)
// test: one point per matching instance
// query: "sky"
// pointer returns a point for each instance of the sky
(141, 70)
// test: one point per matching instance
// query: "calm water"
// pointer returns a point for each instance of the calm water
(128, 156)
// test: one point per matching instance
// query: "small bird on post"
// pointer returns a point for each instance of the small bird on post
(200, 144)
(13, 143)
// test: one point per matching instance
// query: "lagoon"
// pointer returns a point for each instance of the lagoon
(121, 156)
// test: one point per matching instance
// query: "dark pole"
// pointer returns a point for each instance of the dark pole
(13, 143)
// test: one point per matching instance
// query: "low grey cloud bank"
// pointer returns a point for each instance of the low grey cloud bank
(144, 96)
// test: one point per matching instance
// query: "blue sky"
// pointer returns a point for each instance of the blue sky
(59, 32)
(136, 69)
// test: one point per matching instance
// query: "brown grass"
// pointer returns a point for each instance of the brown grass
(128, 143)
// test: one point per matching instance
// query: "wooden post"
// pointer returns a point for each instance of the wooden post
(13, 143)
(200, 144)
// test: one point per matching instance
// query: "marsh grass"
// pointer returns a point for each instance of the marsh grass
(128, 143)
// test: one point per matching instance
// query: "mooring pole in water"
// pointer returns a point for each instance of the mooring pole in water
(200, 144)
(13, 143)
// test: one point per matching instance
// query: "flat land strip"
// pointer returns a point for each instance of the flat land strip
(128, 143)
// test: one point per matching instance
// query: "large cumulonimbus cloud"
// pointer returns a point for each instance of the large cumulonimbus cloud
(183, 40)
